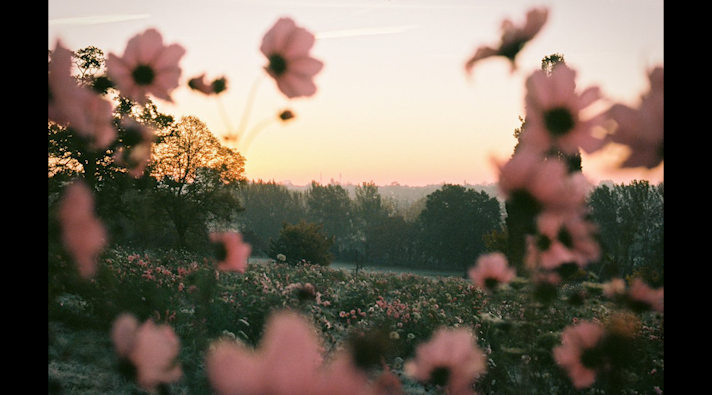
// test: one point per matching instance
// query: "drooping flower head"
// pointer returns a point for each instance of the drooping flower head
(215, 87)
(231, 251)
(555, 118)
(491, 270)
(642, 129)
(287, 47)
(450, 359)
(152, 350)
(513, 38)
(83, 234)
(147, 67)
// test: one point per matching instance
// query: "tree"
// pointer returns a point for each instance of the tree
(267, 206)
(302, 242)
(196, 176)
(454, 222)
(331, 206)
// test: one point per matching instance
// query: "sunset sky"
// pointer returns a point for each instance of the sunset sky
(393, 102)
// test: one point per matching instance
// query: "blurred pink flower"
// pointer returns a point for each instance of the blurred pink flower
(642, 129)
(215, 87)
(146, 67)
(341, 376)
(135, 152)
(513, 38)
(123, 334)
(233, 252)
(574, 354)
(83, 235)
(287, 361)
(155, 355)
(451, 359)
(555, 112)
(491, 270)
(76, 106)
(287, 47)
(563, 237)
(642, 296)
(546, 182)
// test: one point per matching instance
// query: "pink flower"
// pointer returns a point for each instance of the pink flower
(287, 47)
(287, 361)
(83, 235)
(151, 348)
(641, 129)
(577, 352)
(513, 38)
(146, 67)
(546, 184)
(135, 152)
(76, 106)
(217, 86)
(451, 359)
(562, 238)
(232, 251)
(642, 297)
(491, 270)
(554, 113)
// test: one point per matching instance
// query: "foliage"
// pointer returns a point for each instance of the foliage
(302, 242)
(185, 291)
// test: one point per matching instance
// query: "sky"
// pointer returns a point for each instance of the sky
(394, 103)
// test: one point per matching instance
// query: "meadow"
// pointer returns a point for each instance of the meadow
(516, 331)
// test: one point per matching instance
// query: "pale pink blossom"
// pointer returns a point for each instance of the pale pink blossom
(643, 297)
(233, 252)
(614, 288)
(562, 238)
(451, 359)
(386, 383)
(491, 270)
(76, 106)
(147, 67)
(288, 360)
(641, 129)
(556, 113)
(83, 234)
(513, 38)
(135, 151)
(287, 47)
(571, 355)
(342, 376)
(215, 87)
(151, 348)
(547, 184)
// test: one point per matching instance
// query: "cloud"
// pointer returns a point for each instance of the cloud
(368, 31)
(97, 19)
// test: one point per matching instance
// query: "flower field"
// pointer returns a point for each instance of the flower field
(387, 315)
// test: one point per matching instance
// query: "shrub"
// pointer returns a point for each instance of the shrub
(302, 242)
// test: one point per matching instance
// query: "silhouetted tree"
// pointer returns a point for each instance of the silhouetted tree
(302, 242)
(454, 222)
(331, 206)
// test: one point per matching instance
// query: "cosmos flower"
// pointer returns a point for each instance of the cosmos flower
(578, 354)
(513, 38)
(83, 235)
(76, 106)
(216, 87)
(491, 270)
(555, 113)
(287, 361)
(642, 129)
(135, 151)
(562, 238)
(147, 67)
(544, 184)
(287, 47)
(641, 297)
(233, 252)
(151, 348)
(450, 359)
